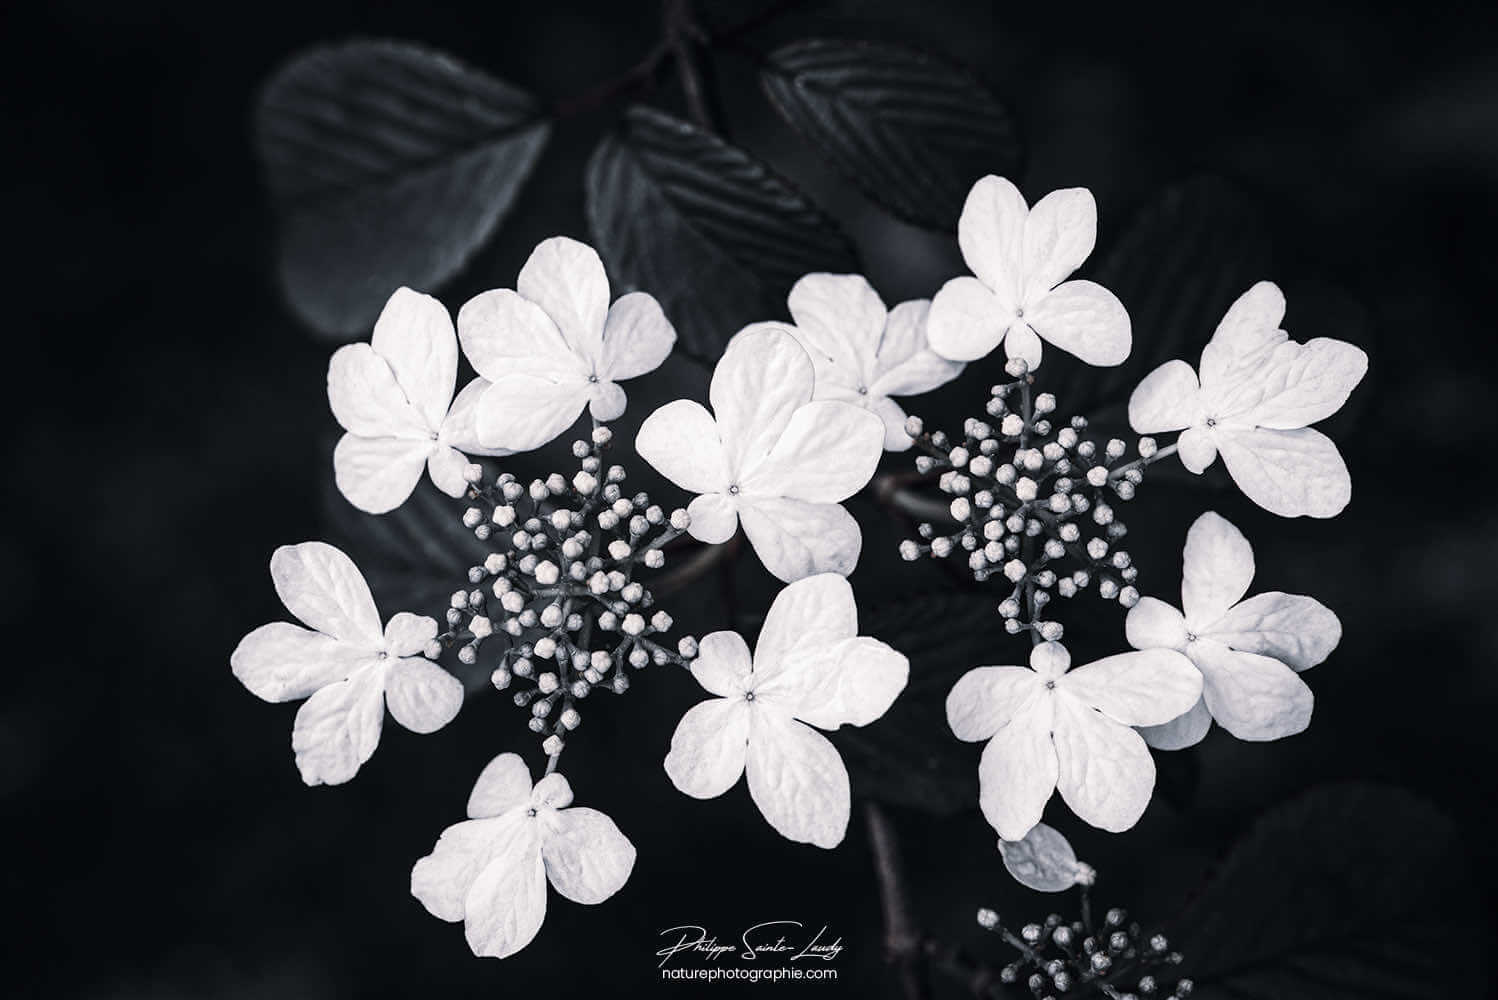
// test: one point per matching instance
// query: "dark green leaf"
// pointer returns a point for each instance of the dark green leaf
(706, 228)
(390, 165)
(912, 130)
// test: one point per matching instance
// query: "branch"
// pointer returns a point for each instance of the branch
(902, 938)
(683, 34)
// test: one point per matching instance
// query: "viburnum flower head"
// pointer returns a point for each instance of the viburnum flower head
(1049, 728)
(810, 667)
(1021, 257)
(863, 353)
(1256, 397)
(392, 395)
(343, 663)
(491, 870)
(554, 345)
(770, 456)
(1249, 652)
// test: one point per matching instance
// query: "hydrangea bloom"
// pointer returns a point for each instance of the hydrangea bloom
(770, 456)
(1022, 257)
(1048, 728)
(491, 870)
(862, 353)
(555, 345)
(392, 395)
(810, 664)
(1248, 652)
(343, 663)
(1257, 395)
(1043, 860)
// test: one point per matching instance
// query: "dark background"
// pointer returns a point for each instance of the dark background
(171, 429)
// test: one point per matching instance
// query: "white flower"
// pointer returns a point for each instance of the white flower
(861, 352)
(1022, 257)
(346, 667)
(1048, 729)
(1258, 393)
(1248, 652)
(555, 345)
(770, 456)
(490, 871)
(392, 397)
(1044, 861)
(810, 664)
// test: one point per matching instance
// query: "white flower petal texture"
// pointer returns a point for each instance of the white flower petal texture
(1043, 860)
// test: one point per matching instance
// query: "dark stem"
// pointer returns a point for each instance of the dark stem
(683, 35)
(902, 938)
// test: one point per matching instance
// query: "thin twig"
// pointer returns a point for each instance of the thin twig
(683, 34)
(902, 938)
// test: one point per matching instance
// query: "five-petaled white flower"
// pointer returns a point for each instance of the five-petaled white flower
(862, 353)
(490, 871)
(810, 664)
(1048, 728)
(770, 455)
(1249, 652)
(392, 395)
(346, 667)
(1258, 394)
(1022, 257)
(555, 345)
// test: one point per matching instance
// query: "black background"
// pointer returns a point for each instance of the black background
(171, 429)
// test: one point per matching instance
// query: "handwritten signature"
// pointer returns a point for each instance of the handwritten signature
(773, 938)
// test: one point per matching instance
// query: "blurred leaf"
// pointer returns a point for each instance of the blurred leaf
(390, 165)
(1350, 891)
(703, 226)
(912, 130)
(909, 756)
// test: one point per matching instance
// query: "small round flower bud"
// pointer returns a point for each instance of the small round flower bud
(1124, 489)
(680, 519)
(1184, 988)
(602, 436)
(1013, 626)
(958, 456)
(914, 426)
(472, 517)
(1128, 597)
(481, 626)
(552, 745)
(545, 648)
(1016, 367)
(500, 678)
(1101, 962)
(988, 919)
(570, 719)
(1014, 570)
(580, 689)
(541, 709)
(619, 549)
(1009, 608)
(1097, 475)
(584, 483)
(1061, 935)
(1159, 943)
(909, 551)
(1062, 981)
(941, 547)
(1051, 631)
(535, 725)
(638, 658)
(1147, 985)
(1147, 447)
(980, 466)
(924, 464)
(1097, 548)
(633, 624)
(961, 509)
(1031, 933)
(632, 593)
(547, 682)
(1012, 425)
(547, 573)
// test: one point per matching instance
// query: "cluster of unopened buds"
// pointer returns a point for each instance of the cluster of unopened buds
(558, 591)
(1033, 502)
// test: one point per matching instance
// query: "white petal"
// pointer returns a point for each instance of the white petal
(422, 696)
(797, 779)
(284, 662)
(366, 399)
(606, 401)
(839, 320)
(1022, 342)
(566, 279)
(985, 700)
(1059, 233)
(1085, 319)
(723, 665)
(552, 792)
(715, 518)
(1296, 630)
(1289, 473)
(1303, 383)
(1050, 660)
(460, 430)
(1143, 688)
(828, 451)
(795, 539)
(1181, 732)
(506, 904)
(1197, 449)
(906, 364)
(763, 376)
(1043, 860)
(1217, 567)
(503, 333)
(1153, 624)
(377, 475)
(338, 728)
(1166, 400)
(637, 337)
(1017, 772)
(821, 604)
(1252, 696)
(587, 858)
(850, 682)
(680, 440)
(441, 880)
(325, 590)
(991, 233)
(1245, 337)
(504, 784)
(522, 412)
(893, 417)
(966, 320)
(415, 335)
(709, 747)
(407, 634)
(1106, 774)
(448, 469)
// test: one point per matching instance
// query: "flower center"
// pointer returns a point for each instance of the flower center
(734, 489)
(383, 654)
(748, 695)
(1050, 685)
(863, 390)
(593, 378)
(1211, 421)
(1190, 636)
(531, 811)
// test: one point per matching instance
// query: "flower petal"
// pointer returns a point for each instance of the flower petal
(325, 590)
(285, 662)
(795, 539)
(449, 471)
(522, 412)
(1106, 774)
(905, 364)
(839, 321)
(552, 792)
(709, 747)
(1085, 319)
(1303, 383)
(1023, 343)
(338, 728)
(606, 401)
(762, 378)
(821, 604)
(966, 320)
(985, 700)
(1181, 732)
(991, 233)
(1217, 567)
(504, 784)
(1289, 473)
(407, 634)
(849, 682)
(1166, 400)
(366, 399)
(377, 475)
(1017, 772)
(506, 904)
(637, 337)
(422, 696)
(715, 518)
(723, 664)
(566, 279)
(1144, 688)
(797, 779)
(1246, 336)
(893, 417)
(828, 451)
(1296, 630)
(1153, 624)
(1043, 860)
(415, 335)
(680, 440)
(587, 858)
(1197, 448)
(1252, 696)
(1059, 233)
(441, 880)
(504, 333)
(460, 430)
